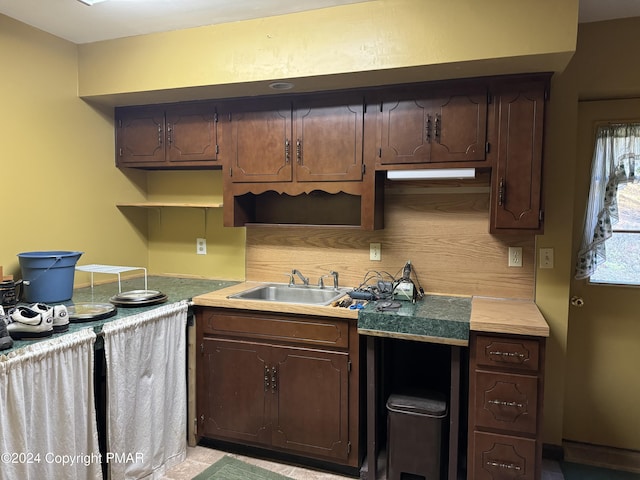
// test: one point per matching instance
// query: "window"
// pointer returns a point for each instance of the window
(623, 248)
(610, 249)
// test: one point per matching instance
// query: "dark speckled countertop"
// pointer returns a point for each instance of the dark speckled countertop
(176, 289)
(434, 318)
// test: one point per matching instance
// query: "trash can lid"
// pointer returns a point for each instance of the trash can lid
(427, 403)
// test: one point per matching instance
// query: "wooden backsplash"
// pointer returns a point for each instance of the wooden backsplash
(442, 229)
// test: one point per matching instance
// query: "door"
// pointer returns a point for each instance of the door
(140, 136)
(261, 143)
(191, 133)
(234, 400)
(328, 141)
(602, 351)
(310, 402)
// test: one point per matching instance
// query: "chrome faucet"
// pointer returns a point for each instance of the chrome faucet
(304, 279)
(335, 279)
(331, 274)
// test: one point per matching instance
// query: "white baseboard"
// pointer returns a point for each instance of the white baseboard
(599, 456)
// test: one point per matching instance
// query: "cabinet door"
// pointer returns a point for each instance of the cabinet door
(328, 142)
(261, 146)
(516, 185)
(459, 128)
(232, 398)
(405, 131)
(310, 411)
(191, 133)
(140, 134)
(433, 128)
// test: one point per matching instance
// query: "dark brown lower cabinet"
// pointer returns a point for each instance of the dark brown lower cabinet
(278, 382)
(506, 379)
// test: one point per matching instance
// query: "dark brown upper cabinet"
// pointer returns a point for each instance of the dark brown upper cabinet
(300, 160)
(426, 126)
(304, 140)
(177, 136)
(516, 186)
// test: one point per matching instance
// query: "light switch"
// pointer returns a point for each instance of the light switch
(546, 258)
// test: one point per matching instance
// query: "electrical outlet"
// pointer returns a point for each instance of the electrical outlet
(201, 246)
(374, 252)
(515, 256)
(546, 258)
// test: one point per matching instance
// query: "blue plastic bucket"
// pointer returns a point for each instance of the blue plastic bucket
(48, 276)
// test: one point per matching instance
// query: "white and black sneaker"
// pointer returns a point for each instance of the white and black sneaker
(5, 339)
(27, 323)
(59, 313)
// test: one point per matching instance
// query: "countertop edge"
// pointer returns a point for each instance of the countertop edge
(505, 315)
(416, 338)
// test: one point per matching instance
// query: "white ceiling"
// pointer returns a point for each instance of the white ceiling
(79, 23)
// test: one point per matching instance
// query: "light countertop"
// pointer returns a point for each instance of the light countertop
(436, 318)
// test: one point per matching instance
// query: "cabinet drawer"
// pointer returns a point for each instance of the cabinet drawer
(503, 457)
(309, 331)
(516, 353)
(506, 401)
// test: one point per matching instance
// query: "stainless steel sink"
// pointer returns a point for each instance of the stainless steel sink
(281, 292)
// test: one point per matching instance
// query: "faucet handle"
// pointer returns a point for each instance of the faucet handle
(321, 280)
(334, 274)
(291, 279)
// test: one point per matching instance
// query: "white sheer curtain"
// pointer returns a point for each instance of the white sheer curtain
(613, 165)
(47, 411)
(146, 392)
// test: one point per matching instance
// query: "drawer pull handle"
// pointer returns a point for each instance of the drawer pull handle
(266, 378)
(504, 403)
(427, 128)
(507, 354)
(507, 466)
(274, 374)
(501, 191)
(438, 127)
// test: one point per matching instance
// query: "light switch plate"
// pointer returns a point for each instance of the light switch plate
(546, 258)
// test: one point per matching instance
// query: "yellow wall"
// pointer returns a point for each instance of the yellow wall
(57, 173)
(381, 41)
(173, 231)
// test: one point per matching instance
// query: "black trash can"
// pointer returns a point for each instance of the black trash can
(414, 435)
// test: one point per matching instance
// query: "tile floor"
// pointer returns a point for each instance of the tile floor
(199, 458)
